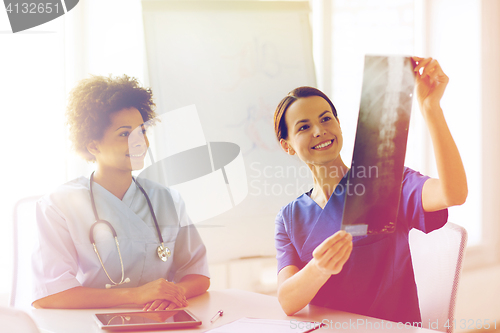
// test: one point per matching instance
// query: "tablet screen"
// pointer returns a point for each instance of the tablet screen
(147, 320)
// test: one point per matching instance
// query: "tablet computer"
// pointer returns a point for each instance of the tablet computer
(146, 320)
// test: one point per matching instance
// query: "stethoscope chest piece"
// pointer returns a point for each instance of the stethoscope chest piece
(163, 252)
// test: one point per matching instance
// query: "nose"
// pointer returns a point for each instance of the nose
(318, 131)
(137, 138)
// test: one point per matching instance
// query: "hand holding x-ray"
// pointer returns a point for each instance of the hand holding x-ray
(331, 255)
(430, 82)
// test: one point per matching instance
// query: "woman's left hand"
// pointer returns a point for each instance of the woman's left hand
(450, 188)
(430, 85)
(159, 304)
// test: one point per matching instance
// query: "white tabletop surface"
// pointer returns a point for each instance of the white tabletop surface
(236, 304)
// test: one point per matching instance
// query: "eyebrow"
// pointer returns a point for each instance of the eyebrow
(307, 120)
(128, 127)
(321, 115)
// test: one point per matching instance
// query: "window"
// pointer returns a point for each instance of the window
(33, 137)
(355, 28)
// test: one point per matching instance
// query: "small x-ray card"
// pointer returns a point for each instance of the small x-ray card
(374, 181)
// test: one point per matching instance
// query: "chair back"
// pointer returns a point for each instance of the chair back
(437, 259)
(14, 320)
(24, 239)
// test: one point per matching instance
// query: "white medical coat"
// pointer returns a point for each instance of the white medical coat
(64, 257)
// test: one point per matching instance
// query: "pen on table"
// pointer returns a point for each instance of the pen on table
(219, 314)
(315, 328)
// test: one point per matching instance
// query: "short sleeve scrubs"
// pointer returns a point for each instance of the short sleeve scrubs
(378, 279)
(64, 257)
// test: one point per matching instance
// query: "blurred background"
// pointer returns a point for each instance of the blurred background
(40, 66)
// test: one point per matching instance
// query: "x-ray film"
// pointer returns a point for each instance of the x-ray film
(374, 181)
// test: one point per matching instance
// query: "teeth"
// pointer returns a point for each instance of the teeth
(323, 145)
(136, 155)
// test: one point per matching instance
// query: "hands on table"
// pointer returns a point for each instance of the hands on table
(161, 295)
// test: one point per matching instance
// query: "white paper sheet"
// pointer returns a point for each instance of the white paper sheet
(250, 325)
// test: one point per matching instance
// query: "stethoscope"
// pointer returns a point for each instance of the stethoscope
(162, 251)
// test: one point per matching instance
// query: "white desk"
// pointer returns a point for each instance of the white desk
(235, 304)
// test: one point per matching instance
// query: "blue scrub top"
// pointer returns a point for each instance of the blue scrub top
(377, 280)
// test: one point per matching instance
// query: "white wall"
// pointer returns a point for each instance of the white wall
(480, 286)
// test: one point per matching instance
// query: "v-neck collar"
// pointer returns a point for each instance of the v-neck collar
(122, 214)
(128, 197)
(339, 190)
(325, 221)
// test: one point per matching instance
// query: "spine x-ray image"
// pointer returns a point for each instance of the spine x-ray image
(374, 183)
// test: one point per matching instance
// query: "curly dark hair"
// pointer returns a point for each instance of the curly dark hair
(94, 99)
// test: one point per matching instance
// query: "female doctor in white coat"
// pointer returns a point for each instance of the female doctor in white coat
(158, 259)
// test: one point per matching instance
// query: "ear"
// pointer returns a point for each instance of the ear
(286, 147)
(93, 148)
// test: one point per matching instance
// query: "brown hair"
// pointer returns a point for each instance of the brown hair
(92, 102)
(300, 92)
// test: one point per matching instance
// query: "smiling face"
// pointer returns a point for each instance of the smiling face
(124, 143)
(314, 133)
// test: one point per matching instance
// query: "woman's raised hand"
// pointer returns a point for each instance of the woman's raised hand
(157, 293)
(331, 255)
(431, 82)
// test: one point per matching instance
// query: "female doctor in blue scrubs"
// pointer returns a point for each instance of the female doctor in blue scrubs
(158, 260)
(368, 275)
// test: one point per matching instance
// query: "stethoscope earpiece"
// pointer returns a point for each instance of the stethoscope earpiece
(127, 280)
